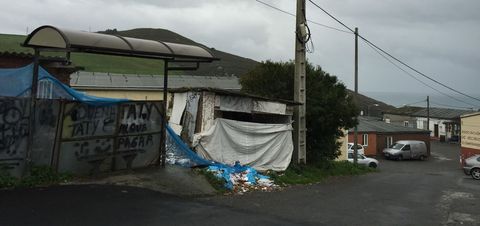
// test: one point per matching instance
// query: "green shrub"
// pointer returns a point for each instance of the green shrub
(38, 176)
(306, 174)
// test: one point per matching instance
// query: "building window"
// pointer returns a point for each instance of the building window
(365, 139)
(405, 123)
(389, 141)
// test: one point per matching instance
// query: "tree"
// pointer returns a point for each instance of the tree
(329, 107)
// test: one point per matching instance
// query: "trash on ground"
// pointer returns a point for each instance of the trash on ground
(240, 179)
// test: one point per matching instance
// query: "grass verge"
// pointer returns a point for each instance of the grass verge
(38, 176)
(217, 183)
(306, 174)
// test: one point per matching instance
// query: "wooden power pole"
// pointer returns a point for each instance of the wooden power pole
(428, 114)
(355, 130)
(300, 153)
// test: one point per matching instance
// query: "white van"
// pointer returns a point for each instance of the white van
(406, 149)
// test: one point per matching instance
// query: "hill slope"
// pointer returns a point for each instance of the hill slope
(229, 64)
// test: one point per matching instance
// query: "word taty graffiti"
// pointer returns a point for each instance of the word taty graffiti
(136, 117)
(90, 120)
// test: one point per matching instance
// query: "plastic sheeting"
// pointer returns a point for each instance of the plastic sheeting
(241, 179)
(261, 146)
(17, 82)
(179, 153)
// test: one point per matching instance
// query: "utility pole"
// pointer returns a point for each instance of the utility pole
(300, 153)
(355, 130)
(428, 114)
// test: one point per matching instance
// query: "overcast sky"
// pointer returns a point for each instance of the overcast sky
(438, 37)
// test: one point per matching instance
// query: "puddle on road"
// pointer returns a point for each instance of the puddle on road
(441, 157)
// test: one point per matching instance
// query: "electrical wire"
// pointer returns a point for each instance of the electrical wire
(313, 22)
(412, 76)
(403, 105)
(391, 56)
(451, 106)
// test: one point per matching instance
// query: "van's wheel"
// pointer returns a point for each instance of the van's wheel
(399, 157)
(475, 173)
(373, 165)
(422, 157)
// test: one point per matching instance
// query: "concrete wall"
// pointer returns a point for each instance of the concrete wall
(79, 138)
(343, 147)
(470, 136)
(400, 120)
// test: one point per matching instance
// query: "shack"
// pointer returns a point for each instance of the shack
(229, 126)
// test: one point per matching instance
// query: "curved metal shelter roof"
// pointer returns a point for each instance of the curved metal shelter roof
(49, 37)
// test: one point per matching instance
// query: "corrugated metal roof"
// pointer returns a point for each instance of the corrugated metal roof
(366, 124)
(441, 113)
(91, 80)
(231, 93)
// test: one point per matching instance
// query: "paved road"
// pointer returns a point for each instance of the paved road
(434, 192)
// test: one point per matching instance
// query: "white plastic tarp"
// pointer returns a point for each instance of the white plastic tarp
(179, 103)
(261, 146)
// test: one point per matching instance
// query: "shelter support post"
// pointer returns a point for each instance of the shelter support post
(33, 100)
(163, 148)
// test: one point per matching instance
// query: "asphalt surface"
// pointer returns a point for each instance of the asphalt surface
(433, 192)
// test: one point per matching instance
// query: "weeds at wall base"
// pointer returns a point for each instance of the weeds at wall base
(307, 174)
(38, 176)
(217, 183)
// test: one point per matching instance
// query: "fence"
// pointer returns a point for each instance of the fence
(79, 138)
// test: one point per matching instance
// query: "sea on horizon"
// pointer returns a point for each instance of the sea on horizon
(398, 99)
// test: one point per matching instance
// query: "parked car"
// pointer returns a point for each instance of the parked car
(472, 167)
(406, 149)
(360, 148)
(363, 160)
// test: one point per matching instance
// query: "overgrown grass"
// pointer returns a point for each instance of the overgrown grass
(306, 174)
(38, 176)
(217, 183)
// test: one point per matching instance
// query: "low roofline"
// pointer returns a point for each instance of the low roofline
(231, 93)
(470, 115)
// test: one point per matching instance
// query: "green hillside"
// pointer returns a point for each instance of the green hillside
(228, 64)
(91, 62)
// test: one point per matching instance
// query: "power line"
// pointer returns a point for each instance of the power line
(291, 14)
(450, 106)
(422, 101)
(412, 76)
(391, 56)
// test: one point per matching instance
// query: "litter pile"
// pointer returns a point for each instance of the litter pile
(240, 179)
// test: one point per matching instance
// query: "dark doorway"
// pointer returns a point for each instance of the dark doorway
(435, 130)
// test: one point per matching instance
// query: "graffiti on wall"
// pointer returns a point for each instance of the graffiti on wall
(96, 139)
(83, 120)
(136, 148)
(14, 130)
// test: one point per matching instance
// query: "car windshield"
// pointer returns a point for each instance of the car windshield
(397, 146)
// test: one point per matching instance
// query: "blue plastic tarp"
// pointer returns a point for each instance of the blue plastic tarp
(17, 82)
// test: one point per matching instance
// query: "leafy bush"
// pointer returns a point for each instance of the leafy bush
(328, 105)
